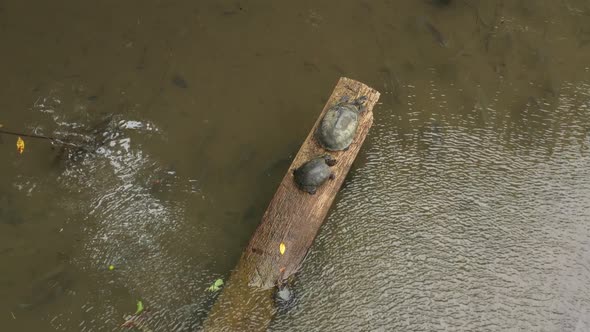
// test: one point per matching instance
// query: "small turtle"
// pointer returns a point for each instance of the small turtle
(338, 127)
(314, 173)
(283, 296)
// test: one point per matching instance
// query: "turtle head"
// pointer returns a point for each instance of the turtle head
(360, 103)
(330, 161)
(344, 99)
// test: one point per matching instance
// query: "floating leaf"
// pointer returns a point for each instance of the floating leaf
(216, 285)
(282, 248)
(139, 307)
(20, 145)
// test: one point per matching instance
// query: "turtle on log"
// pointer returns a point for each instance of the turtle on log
(338, 126)
(314, 173)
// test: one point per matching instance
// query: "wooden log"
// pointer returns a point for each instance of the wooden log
(293, 218)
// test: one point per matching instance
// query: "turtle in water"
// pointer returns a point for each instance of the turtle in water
(314, 173)
(338, 127)
(283, 295)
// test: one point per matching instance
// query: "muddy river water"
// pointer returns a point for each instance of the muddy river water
(468, 208)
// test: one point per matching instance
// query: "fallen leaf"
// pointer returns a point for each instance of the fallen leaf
(282, 248)
(139, 307)
(216, 285)
(20, 145)
(138, 320)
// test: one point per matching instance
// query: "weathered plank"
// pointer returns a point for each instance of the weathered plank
(293, 217)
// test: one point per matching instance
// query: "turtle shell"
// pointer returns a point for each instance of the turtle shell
(313, 173)
(338, 127)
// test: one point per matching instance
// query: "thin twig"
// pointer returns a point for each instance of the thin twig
(53, 139)
(26, 135)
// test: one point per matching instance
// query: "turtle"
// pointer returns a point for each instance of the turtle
(283, 295)
(338, 126)
(314, 173)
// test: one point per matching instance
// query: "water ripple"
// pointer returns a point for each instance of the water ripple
(468, 230)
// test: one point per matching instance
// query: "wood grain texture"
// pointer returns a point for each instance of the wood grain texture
(293, 217)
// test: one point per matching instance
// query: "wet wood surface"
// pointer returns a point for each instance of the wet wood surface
(293, 218)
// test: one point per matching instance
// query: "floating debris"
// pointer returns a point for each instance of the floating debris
(138, 320)
(179, 82)
(139, 307)
(20, 145)
(436, 34)
(216, 285)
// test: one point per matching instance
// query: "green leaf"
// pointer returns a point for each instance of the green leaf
(139, 307)
(216, 285)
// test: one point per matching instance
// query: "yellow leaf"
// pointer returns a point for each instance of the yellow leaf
(282, 248)
(20, 145)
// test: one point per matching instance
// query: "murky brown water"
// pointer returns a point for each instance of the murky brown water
(467, 210)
